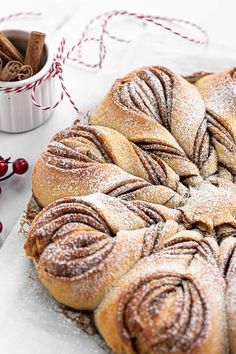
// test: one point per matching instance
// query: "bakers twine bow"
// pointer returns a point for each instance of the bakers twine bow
(102, 21)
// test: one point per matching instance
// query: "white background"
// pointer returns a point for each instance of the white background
(67, 18)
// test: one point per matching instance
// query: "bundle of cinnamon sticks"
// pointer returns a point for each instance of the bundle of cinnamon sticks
(13, 65)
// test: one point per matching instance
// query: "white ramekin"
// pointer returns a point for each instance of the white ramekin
(17, 111)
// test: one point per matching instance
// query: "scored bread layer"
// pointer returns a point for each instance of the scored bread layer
(163, 304)
(78, 243)
(219, 93)
(154, 106)
(81, 161)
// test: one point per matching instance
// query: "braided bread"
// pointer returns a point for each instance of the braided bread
(165, 303)
(164, 115)
(154, 253)
(72, 240)
(93, 253)
(82, 160)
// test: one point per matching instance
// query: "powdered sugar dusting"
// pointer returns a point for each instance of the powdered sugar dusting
(153, 284)
(211, 206)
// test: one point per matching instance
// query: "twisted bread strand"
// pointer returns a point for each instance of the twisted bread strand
(164, 115)
(154, 285)
(83, 160)
(165, 303)
(219, 93)
(78, 258)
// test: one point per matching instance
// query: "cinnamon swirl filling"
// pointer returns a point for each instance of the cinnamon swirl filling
(220, 132)
(61, 218)
(76, 255)
(202, 147)
(72, 142)
(163, 313)
(79, 147)
(123, 189)
(149, 91)
(186, 244)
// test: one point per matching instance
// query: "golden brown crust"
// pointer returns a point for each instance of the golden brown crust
(84, 160)
(156, 275)
(218, 92)
(81, 250)
(164, 115)
(227, 262)
(164, 303)
(212, 207)
(83, 257)
(72, 272)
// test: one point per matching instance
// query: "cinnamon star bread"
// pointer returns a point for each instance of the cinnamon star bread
(139, 214)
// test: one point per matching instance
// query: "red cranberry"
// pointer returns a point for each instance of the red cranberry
(3, 167)
(20, 166)
(1, 227)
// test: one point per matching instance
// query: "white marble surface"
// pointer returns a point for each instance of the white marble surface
(68, 18)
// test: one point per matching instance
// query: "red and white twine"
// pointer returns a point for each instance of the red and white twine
(102, 21)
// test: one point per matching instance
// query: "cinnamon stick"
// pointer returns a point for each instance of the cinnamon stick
(25, 73)
(34, 50)
(9, 49)
(5, 57)
(10, 70)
